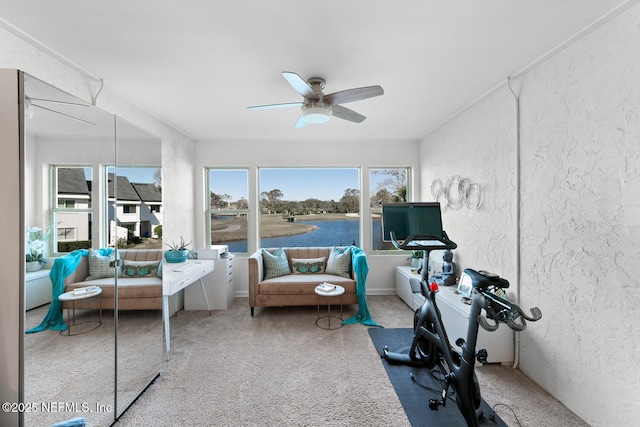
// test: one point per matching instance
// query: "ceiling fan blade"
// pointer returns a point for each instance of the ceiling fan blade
(272, 106)
(300, 85)
(351, 95)
(346, 114)
(300, 123)
(63, 114)
(58, 102)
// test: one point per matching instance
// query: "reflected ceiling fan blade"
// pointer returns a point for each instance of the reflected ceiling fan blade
(344, 113)
(300, 85)
(63, 114)
(300, 123)
(272, 106)
(58, 102)
(351, 95)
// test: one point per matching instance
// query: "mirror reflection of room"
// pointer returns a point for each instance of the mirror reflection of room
(84, 206)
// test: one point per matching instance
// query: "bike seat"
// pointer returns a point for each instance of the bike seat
(482, 280)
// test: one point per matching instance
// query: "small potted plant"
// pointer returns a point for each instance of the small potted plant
(35, 247)
(177, 252)
(416, 257)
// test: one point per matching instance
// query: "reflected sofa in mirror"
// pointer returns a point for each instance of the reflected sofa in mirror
(69, 147)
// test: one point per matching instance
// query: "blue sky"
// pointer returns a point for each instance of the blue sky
(139, 175)
(301, 184)
(295, 184)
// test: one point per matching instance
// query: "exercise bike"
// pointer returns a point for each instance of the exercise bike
(430, 346)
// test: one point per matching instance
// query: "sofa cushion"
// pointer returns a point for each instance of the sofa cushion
(140, 268)
(299, 284)
(339, 262)
(276, 264)
(307, 265)
(99, 265)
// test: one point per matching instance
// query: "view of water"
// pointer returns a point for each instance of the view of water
(329, 233)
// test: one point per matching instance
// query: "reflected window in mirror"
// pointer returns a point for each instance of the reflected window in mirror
(135, 218)
(72, 207)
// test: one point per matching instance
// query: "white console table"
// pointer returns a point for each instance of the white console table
(176, 277)
(219, 287)
(455, 316)
(37, 290)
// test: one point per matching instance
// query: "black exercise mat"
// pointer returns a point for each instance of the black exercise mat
(415, 395)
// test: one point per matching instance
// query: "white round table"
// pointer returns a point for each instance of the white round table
(329, 291)
(75, 295)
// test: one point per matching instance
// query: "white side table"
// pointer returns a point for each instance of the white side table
(331, 291)
(73, 296)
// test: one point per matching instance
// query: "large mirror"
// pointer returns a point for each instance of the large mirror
(92, 195)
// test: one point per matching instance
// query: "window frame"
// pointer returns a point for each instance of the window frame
(378, 210)
(359, 184)
(56, 210)
(209, 211)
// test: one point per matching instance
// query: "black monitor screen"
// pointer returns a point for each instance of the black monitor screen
(407, 219)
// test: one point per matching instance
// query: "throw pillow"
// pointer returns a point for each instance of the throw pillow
(140, 268)
(99, 265)
(275, 264)
(339, 262)
(307, 265)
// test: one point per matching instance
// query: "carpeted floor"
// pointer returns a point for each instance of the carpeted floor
(278, 368)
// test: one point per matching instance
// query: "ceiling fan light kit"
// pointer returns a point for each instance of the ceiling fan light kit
(318, 107)
(316, 112)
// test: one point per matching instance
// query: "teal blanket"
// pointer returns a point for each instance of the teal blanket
(361, 269)
(62, 267)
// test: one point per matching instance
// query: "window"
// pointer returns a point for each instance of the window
(309, 207)
(387, 185)
(228, 208)
(66, 234)
(134, 218)
(66, 204)
(72, 210)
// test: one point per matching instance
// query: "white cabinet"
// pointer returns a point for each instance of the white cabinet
(37, 289)
(455, 316)
(220, 287)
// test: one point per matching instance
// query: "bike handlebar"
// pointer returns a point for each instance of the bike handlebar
(498, 309)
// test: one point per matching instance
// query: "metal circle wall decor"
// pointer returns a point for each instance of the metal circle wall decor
(457, 192)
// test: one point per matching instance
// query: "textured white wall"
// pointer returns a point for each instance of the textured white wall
(580, 221)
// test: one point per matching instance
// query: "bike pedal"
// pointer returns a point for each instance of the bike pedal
(481, 355)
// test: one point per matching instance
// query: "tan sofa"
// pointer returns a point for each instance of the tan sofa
(294, 289)
(134, 293)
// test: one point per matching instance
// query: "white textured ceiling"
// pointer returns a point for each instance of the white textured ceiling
(198, 64)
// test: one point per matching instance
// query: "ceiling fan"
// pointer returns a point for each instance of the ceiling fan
(318, 107)
(29, 108)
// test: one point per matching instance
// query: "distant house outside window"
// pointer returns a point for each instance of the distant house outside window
(129, 208)
(66, 204)
(72, 208)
